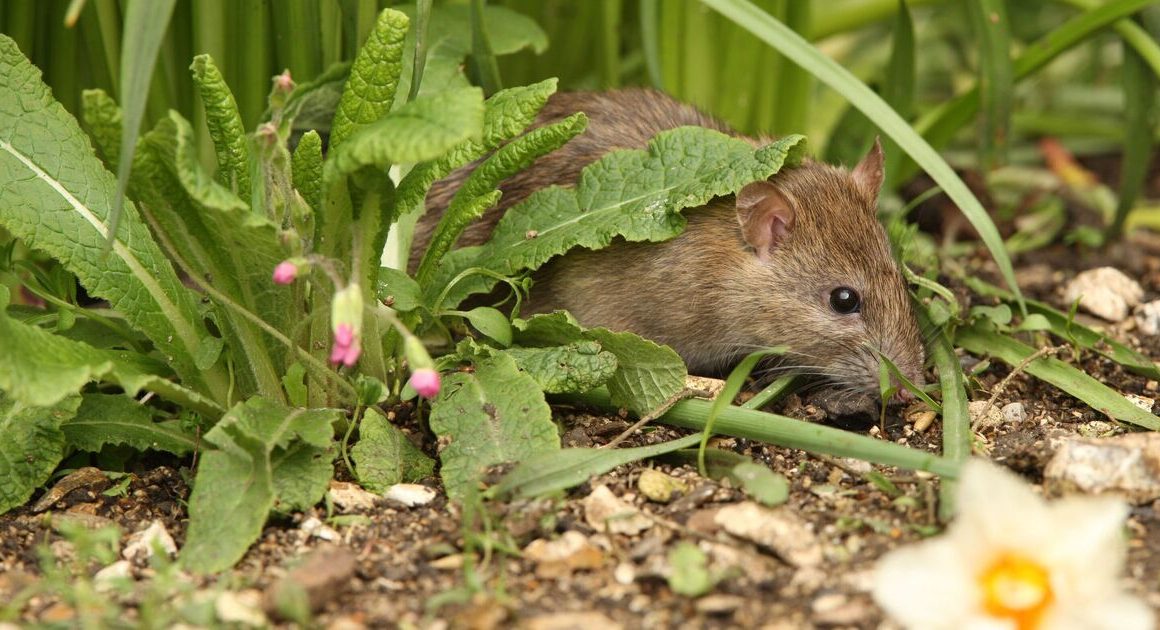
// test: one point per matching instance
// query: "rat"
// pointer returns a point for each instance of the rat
(799, 260)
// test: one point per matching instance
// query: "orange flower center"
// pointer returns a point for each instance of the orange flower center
(1017, 588)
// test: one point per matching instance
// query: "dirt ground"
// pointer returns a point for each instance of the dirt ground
(398, 566)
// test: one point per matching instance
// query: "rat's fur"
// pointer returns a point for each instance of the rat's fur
(714, 293)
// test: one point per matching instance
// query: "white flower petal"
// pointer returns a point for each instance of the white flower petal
(998, 511)
(1116, 612)
(924, 586)
(1087, 547)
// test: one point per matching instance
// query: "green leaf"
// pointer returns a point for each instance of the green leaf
(491, 322)
(384, 456)
(996, 78)
(102, 118)
(505, 115)
(306, 169)
(58, 199)
(421, 130)
(117, 419)
(1071, 380)
(574, 368)
(257, 446)
(472, 198)
(1140, 113)
(374, 76)
(826, 70)
(681, 168)
(302, 474)
(647, 374)
(32, 447)
(493, 415)
(225, 126)
(554, 471)
(690, 576)
(399, 289)
(761, 483)
(295, 385)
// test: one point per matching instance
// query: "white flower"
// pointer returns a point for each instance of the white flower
(1011, 561)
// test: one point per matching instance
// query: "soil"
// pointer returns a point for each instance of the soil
(398, 566)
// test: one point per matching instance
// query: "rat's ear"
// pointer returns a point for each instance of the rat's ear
(869, 172)
(766, 217)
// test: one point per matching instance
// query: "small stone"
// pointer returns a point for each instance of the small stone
(104, 579)
(718, 604)
(1098, 429)
(993, 418)
(351, 497)
(322, 576)
(836, 609)
(923, 420)
(1014, 412)
(411, 494)
(141, 545)
(562, 556)
(779, 529)
(315, 528)
(1148, 318)
(453, 562)
(1125, 465)
(1142, 402)
(605, 512)
(1105, 292)
(624, 573)
(571, 621)
(657, 486)
(1152, 385)
(244, 608)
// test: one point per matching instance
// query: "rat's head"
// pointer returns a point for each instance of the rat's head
(820, 277)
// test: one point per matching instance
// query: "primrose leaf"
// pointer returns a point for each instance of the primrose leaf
(634, 194)
(374, 76)
(574, 368)
(399, 289)
(102, 118)
(761, 483)
(116, 419)
(32, 447)
(421, 130)
(225, 125)
(492, 323)
(57, 199)
(306, 169)
(257, 445)
(493, 415)
(301, 474)
(506, 114)
(39, 369)
(384, 456)
(647, 374)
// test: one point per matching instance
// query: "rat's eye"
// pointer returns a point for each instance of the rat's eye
(845, 301)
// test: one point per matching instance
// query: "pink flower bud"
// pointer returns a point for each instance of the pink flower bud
(425, 381)
(283, 82)
(285, 272)
(346, 347)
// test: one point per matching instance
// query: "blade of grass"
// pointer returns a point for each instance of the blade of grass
(1067, 378)
(829, 72)
(649, 17)
(145, 24)
(298, 38)
(63, 63)
(855, 14)
(672, 36)
(772, 393)
(1064, 327)
(699, 63)
(989, 23)
(609, 51)
(725, 398)
(790, 433)
(251, 58)
(481, 63)
(794, 87)
(422, 18)
(898, 90)
(956, 420)
(1139, 39)
(1139, 128)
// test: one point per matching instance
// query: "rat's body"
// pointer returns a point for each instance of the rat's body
(765, 269)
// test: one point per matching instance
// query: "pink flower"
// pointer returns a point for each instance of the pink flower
(285, 272)
(425, 381)
(346, 346)
(283, 82)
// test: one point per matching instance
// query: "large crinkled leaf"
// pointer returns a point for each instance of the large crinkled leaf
(39, 369)
(224, 122)
(634, 194)
(424, 129)
(374, 75)
(574, 368)
(102, 118)
(506, 114)
(57, 199)
(384, 456)
(238, 481)
(115, 419)
(32, 447)
(647, 374)
(492, 415)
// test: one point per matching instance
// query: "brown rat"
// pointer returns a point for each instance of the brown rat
(799, 260)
